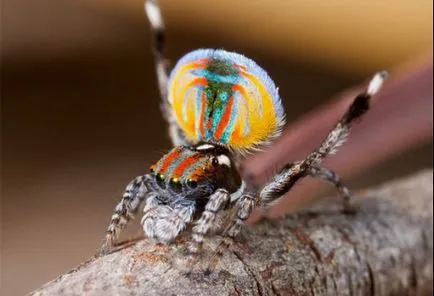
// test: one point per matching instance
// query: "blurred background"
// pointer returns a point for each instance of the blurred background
(80, 113)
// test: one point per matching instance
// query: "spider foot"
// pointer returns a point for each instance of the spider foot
(215, 259)
(207, 272)
(186, 261)
(107, 246)
(349, 208)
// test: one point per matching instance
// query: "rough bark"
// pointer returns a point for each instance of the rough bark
(386, 248)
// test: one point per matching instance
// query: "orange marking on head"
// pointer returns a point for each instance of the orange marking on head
(199, 171)
(169, 159)
(224, 120)
(185, 163)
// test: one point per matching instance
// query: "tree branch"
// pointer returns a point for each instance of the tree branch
(385, 248)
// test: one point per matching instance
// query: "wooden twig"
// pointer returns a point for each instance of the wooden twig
(386, 248)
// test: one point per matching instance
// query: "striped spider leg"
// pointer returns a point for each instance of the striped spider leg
(125, 210)
(155, 18)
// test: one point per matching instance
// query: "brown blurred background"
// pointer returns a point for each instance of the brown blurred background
(80, 106)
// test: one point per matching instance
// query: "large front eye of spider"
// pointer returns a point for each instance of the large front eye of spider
(175, 184)
(160, 180)
(192, 183)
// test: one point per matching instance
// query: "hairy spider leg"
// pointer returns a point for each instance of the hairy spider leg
(287, 177)
(155, 18)
(134, 195)
(291, 173)
(331, 177)
(244, 207)
(217, 202)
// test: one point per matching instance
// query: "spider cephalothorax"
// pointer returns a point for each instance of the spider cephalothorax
(195, 172)
(218, 105)
(182, 181)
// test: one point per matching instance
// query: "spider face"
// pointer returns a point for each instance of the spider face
(195, 172)
(181, 184)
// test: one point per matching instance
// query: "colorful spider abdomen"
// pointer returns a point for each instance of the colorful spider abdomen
(224, 97)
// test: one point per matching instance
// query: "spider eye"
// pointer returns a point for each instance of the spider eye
(160, 180)
(175, 184)
(215, 162)
(192, 183)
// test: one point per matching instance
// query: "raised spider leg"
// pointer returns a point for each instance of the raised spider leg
(339, 134)
(291, 173)
(155, 18)
(244, 206)
(134, 194)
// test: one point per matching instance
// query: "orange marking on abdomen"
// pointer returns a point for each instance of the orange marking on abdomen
(169, 159)
(198, 81)
(224, 120)
(202, 62)
(235, 136)
(241, 89)
(185, 164)
(194, 65)
(240, 67)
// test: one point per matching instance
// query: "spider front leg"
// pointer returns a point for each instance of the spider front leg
(155, 18)
(134, 194)
(217, 202)
(244, 207)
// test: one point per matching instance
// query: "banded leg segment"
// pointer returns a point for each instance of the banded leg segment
(244, 208)
(155, 18)
(332, 178)
(291, 173)
(339, 134)
(134, 194)
(217, 202)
